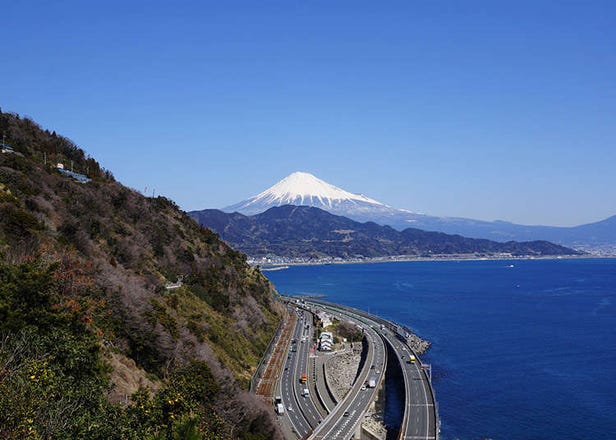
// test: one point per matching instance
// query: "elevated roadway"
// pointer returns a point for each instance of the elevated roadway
(318, 416)
(344, 420)
(420, 412)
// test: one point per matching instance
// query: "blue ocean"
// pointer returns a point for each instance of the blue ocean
(522, 349)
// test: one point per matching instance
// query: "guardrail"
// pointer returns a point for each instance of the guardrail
(377, 388)
(393, 326)
(356, 425)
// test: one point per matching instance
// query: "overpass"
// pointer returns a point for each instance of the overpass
(318, 416)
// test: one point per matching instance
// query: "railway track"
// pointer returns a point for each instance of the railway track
(265, 388)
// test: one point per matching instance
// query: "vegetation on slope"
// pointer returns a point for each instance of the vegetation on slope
(303, 231)
(92, 344)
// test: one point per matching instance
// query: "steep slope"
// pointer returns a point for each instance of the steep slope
(307, 232)
(304, 189)
(92, 261)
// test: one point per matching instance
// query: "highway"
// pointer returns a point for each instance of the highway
(318, 393)
(420, 420)
(328, 400)
(299, 409)
(308, 415)
(343, 421)
(420, 413)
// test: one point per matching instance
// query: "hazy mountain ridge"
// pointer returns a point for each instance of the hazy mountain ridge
(83, 275)
(305, 189)
(302, 231)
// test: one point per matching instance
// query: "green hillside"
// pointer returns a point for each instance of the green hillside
(92, 342)
(307, 232)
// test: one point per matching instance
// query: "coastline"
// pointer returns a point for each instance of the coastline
(461, 338)
(284, 263)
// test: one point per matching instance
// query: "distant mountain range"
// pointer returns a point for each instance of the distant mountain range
(307, 232)
(305, 189)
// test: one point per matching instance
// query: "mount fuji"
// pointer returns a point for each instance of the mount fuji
(302, 188)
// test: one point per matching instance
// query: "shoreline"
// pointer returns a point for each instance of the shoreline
(270, 266)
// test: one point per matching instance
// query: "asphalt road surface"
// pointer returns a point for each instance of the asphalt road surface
(348, 414)
(420, 414)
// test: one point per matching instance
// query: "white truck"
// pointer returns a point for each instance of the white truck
(371, 382)
(279, 409)
(306, 392)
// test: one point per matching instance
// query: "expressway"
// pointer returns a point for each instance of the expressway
(420, 413)
(308, 415)
(344, 420)
(327, 399)
(419, 420)
(316, 384)
(300, 410)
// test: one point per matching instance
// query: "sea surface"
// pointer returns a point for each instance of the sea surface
(522, 349)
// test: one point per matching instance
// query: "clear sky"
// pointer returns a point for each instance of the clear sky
(482, 109)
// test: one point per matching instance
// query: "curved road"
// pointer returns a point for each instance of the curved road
(344, 420)
(420, 413)
(305, 412)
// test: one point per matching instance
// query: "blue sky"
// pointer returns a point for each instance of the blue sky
(482, 109)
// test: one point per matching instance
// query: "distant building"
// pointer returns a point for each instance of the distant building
(326, 341)
(325, 319)
(5, 148)
(325, 345)
(81, 178)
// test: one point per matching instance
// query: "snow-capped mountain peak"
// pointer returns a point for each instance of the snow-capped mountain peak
(301, 188)
(305, 187)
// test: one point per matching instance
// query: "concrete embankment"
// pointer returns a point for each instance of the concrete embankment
(342, 368)
(341, 371)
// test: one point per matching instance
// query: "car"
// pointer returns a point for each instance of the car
(363, 388)
(346, 414)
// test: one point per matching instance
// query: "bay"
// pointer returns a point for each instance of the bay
(522, 349)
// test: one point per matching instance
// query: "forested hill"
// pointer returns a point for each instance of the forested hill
(308, 232)
(92, 343)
